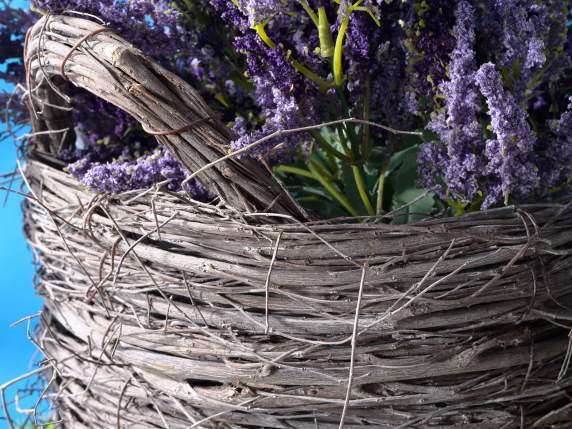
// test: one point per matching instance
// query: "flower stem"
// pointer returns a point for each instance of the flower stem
(344, 142)
(380, 191)
(323, 84)
(358, 177)
(366, 140)
(261, 31)
(324, 33)
(331, 189)
(294, 170)
(329, 148)
(338, 49)
(310, 12)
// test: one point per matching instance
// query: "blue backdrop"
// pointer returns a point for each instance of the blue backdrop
(16, 292)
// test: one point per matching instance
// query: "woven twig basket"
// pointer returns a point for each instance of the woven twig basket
(164, 312)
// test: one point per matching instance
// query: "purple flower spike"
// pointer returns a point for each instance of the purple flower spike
(462, 160)
(120, 176)
(511, 156)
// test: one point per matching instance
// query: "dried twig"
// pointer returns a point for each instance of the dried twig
(267, 283)
(354, 346)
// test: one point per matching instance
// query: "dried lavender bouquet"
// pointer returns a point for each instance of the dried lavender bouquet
(482, 87)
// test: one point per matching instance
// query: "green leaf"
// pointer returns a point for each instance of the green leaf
(416, 211)
(350, 189)
(375, 160)
(429, 136)
(406, 161)
(401, 188)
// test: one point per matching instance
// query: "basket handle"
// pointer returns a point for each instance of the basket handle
(63, 48)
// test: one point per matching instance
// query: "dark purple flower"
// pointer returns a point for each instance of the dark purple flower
(556, 152)
(525, 27)
(13, 25)
(428, 47)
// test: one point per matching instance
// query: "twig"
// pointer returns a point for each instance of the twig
(267, 282)
(5, 386)
(287, 132)
(222, 413)
(354, 346)
(122, 392)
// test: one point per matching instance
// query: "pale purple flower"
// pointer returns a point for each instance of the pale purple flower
(144, 172)
(461, 161)
(258, 11)
(525, 26)
(511, 155)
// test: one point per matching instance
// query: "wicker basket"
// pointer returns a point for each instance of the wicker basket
(161, 311)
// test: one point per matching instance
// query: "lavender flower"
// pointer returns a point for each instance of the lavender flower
(555, 165)
(181, 38)
(258, 11)
(261, 65)
(525, 27)
(431, 163)
(13, 26)
(511, 155)
(281, 93)
(282, 112)
(152, 26)
(457, 126)
(428, 47)
(121, 176)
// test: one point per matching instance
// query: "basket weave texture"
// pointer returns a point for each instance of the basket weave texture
(161, 311)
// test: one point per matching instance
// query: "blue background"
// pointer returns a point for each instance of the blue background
(17, 294)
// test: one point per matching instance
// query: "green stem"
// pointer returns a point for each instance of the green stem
(323, 84)
(344, 142)
(338, 49)
(328, 147)
(294, 170)
(358, 177)
(383, 170)
(366, 141)
(325, 34)
(331, 153)
(349, 127)
(307, 198)
(310, 12)
(380, 191)
(323, 170)
(369, 12)
(261, 31)
(332, 190)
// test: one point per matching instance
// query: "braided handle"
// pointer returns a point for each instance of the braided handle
(88, 55)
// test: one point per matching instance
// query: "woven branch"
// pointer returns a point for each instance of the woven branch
(109, 67)
(463, 322)
(164, 312)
